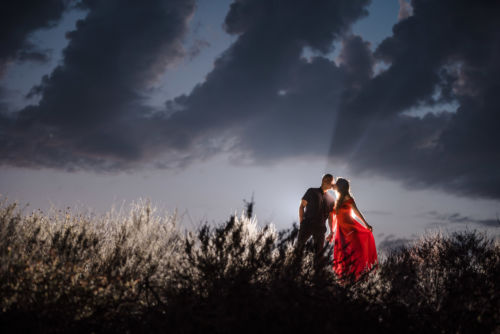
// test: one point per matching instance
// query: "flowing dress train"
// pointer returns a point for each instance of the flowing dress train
(354, 250)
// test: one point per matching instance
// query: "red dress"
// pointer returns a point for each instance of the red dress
(354, 249)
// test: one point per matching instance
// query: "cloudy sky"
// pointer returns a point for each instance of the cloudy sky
(197, 105)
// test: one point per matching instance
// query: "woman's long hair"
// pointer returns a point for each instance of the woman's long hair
(343, 188)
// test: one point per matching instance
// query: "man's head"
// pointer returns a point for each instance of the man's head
(327, 181)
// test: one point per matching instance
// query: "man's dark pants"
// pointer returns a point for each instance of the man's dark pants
(317, 230)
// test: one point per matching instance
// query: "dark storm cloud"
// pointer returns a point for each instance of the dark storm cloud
(445, 52)
(18, 19)
(456, 218)
(91, 112)
(301, 121)
(391, 243)
(262, 94)
(264, 102)
(3, 104)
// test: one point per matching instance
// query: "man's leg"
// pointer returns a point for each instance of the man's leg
(319, 244)
(304, 234)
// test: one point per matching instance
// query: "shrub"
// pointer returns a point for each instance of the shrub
(137, 271)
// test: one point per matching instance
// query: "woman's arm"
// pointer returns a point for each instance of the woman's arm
(331, 224)
(360, 215)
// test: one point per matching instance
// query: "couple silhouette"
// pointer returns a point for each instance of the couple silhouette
(354, 250)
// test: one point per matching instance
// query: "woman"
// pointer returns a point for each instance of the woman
(354, 249)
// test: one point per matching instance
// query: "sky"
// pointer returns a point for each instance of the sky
(198, 105)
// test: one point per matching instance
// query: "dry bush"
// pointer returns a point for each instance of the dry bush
(136, 271)
(66, 270)
(447, 282)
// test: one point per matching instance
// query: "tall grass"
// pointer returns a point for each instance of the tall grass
(137, 271)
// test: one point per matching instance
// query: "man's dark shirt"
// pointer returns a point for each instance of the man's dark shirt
(319, 206)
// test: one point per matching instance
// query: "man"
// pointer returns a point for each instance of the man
(314, 210)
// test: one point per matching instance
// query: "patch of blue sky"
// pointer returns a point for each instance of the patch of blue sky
(204, 43)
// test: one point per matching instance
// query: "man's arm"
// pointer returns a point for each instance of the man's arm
(331, 218)
(303, 204)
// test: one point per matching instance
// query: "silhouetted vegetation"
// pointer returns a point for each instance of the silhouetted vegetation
(139, 272)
